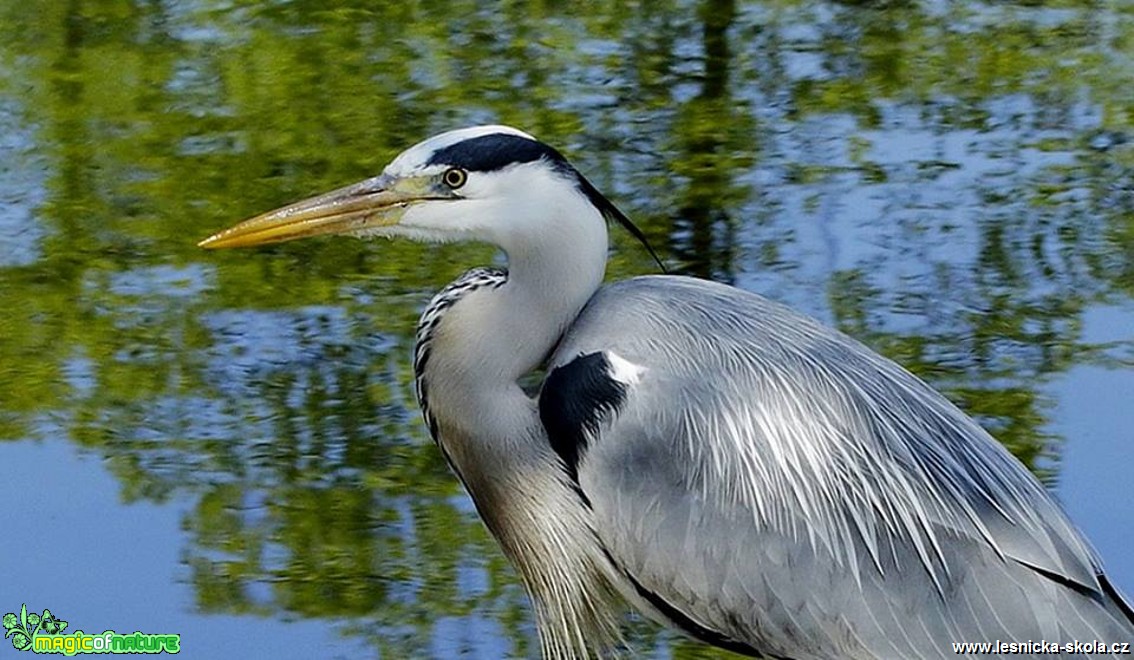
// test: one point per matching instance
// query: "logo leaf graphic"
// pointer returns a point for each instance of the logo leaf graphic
(23, 630)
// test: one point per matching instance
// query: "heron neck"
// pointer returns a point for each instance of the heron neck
(492, 336)
(491, 433)
(544, 294)
(554, 267)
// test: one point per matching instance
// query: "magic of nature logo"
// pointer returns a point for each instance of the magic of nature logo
(44, 633)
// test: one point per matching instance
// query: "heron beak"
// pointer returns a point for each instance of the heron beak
(361, 206)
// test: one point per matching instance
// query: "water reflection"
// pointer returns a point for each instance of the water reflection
(949, 182)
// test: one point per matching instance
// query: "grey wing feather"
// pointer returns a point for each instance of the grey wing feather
(782, 486)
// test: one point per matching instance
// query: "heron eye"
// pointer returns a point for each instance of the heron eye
(455, 177)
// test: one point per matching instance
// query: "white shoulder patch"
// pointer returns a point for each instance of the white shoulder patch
(623, 370)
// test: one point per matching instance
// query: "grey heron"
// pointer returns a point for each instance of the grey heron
(714, 459)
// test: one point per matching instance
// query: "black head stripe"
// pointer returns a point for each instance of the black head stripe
(495, 151)
(489, 153)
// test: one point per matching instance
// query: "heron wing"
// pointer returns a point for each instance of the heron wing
(775, 487)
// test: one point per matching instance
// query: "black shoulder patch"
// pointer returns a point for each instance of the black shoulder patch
(576, 397)
(488, 153)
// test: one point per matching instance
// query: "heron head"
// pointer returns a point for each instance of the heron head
(486, 183)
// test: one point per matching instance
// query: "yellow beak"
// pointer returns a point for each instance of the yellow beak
(368, 204)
